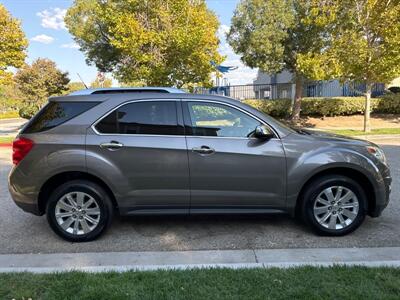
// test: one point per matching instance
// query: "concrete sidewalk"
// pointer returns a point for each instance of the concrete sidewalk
(124, 261)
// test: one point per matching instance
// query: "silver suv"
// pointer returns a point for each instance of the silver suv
(83, 158)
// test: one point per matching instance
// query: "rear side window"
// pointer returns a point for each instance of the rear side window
(148, 117)
(56, 113)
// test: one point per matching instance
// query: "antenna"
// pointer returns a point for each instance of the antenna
(82, 80)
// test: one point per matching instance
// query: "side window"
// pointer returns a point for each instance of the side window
(147, 117)
(212, 119)
(55, 114)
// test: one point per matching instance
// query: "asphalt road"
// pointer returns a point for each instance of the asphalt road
(10, 127)
(24, 233)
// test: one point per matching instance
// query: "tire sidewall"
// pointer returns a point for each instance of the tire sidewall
(91, 189)
(317, 187)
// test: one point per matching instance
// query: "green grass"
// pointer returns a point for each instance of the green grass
(351, 132)
(9, 115)
(6, 140)
(295, 283)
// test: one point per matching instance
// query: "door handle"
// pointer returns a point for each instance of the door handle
(203, 150)
(112, 146)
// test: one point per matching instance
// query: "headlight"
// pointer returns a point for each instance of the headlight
(377, 152)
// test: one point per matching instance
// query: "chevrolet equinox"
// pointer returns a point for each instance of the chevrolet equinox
(87, 156)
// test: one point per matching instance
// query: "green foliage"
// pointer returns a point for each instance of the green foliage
(276, 108)
(300, 283)
(10, 114)
(27, 111)
(362, 37)
(337, 106)
(75, 86)
(378, 131)
(10, 98)
(273, 35)
(37, 82)
(13, 44)
(169, 43)
(98, 84)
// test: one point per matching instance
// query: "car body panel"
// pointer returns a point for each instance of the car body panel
(151, 174)
(241, 173)
(149, 171)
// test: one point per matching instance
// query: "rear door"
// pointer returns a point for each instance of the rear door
(229, 168)
(140, 147)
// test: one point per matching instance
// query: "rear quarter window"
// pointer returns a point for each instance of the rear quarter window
(55, 114)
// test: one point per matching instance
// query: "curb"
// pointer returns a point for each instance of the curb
(166, 260)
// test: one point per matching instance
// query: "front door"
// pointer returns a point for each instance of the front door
(229, 168)
(143, 148)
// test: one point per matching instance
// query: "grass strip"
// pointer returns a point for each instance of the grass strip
(379, 131)
(295, 283)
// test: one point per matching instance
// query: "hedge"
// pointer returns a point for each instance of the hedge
(336, 106)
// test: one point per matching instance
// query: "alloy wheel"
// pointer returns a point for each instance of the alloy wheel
(77, 213)
(336, 207)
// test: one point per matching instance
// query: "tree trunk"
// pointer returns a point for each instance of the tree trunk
(297, 100)
(367, 126)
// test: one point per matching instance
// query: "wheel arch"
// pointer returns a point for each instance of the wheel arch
(54, 181)
(354, 174)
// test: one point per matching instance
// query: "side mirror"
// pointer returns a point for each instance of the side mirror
(263, 132)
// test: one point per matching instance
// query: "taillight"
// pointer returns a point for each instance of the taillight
(21, 147)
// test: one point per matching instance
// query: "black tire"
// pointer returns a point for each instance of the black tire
(311, 193)
(90, 188)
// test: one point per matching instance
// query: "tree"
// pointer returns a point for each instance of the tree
(101, 81)
(363, 41)
(10, 98)
(39, 81)
(159, 42)
(12, 45)
(75, 86)
(272, 35)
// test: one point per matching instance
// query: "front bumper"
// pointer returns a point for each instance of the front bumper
(382, 194)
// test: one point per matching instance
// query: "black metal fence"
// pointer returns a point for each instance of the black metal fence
(286, 90)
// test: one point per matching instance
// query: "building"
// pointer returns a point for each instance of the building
(280, 85)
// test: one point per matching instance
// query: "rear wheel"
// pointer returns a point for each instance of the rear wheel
(79, 211)
(334, 205)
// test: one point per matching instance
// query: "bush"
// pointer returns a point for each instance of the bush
(395, 89)
(27, 111)
(336, 106)
(277, 108)
(388, 104)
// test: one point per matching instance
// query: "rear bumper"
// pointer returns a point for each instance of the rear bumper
(25, 198)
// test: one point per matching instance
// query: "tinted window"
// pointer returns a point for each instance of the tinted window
(56, 113)
(148, 117)
(212, 119)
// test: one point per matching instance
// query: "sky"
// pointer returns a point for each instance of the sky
(42, 22)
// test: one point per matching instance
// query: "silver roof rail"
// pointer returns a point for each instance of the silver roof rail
(126, 90)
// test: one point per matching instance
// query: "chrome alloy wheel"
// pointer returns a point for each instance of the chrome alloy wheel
(77, 213)
(336, 207)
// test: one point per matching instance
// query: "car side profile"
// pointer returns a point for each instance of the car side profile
(85, 157)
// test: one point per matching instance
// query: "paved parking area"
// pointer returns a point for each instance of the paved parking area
(24, 233)
(10, 127)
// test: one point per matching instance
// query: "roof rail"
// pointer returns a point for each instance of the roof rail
(126, 90)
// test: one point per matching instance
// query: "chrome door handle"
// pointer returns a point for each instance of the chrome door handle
(204, 150)
(113, 145)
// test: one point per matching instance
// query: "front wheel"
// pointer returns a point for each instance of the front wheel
(334, 205)
(79, 211)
